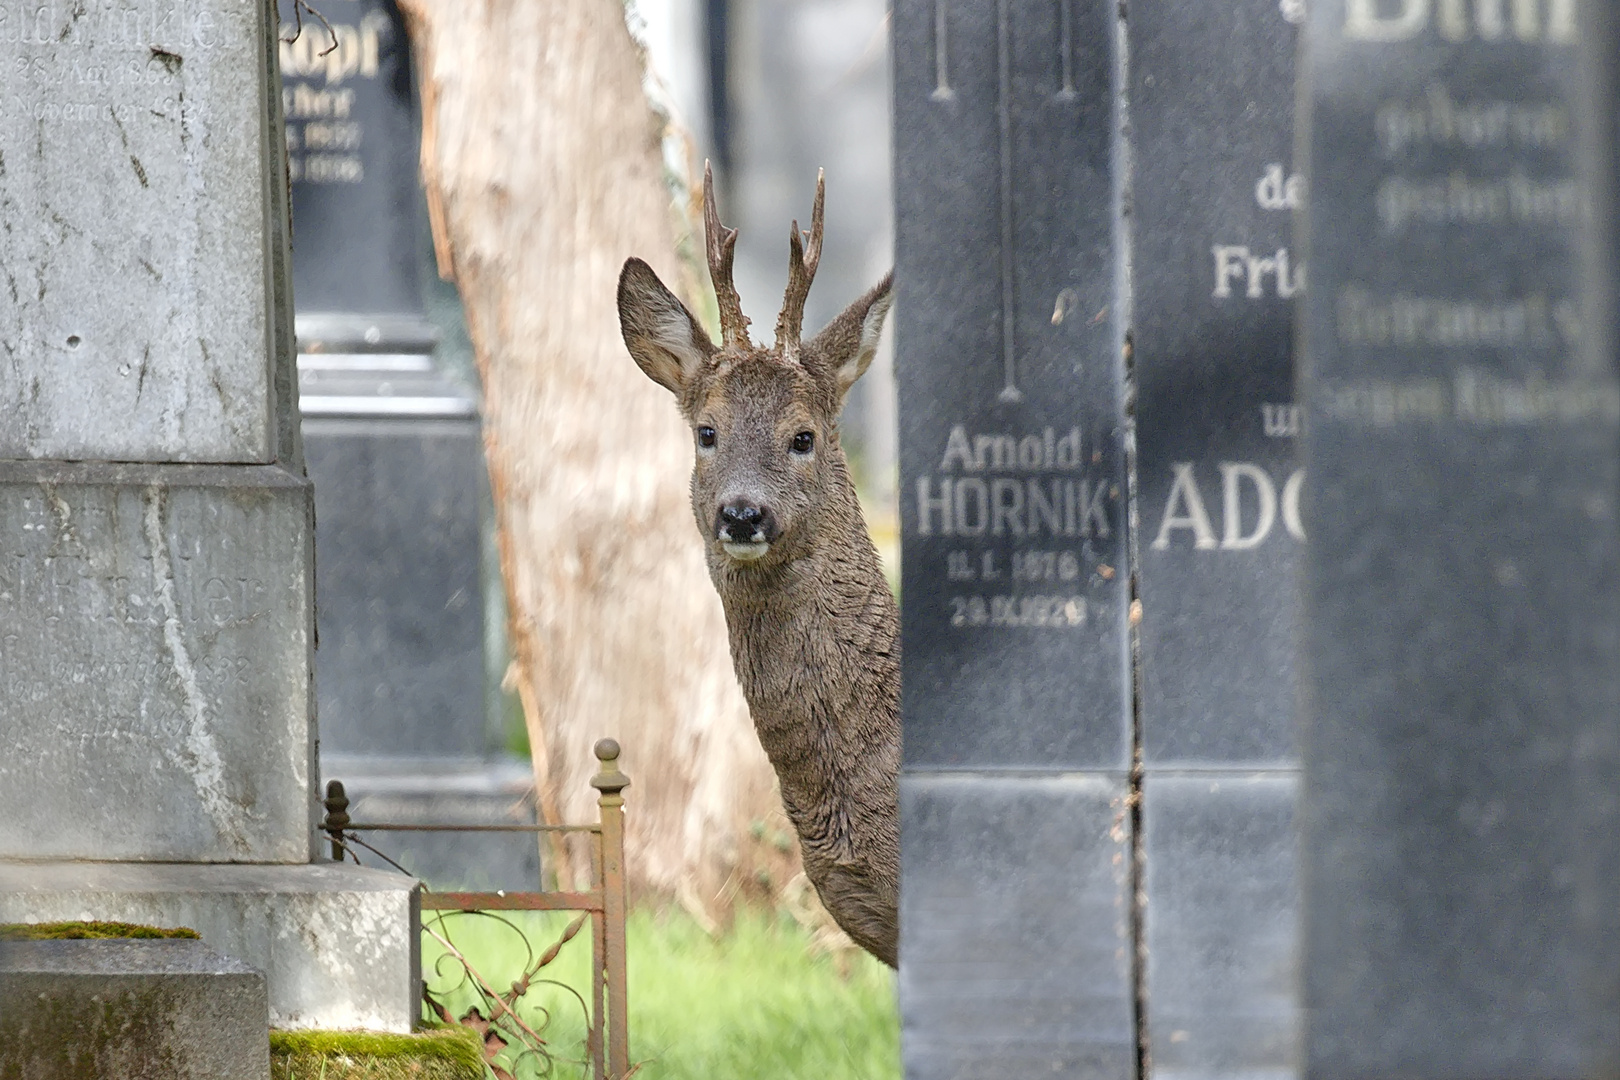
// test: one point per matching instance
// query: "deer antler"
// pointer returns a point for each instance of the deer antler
(802, 261)
(721, 244)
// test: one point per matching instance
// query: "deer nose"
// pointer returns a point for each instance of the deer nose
(744, 522)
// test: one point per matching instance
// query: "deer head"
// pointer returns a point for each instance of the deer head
(764, 421)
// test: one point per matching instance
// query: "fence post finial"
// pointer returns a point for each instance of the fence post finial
(337, 816)
(609, 781)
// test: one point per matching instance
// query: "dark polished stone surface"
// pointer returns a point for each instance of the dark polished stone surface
(352, 155)
(1014, 930)
(1462, 623)
(1220, 925)
(1213, 285)
(1011, 391)
(399, 606)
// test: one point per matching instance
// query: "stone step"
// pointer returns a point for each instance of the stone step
(138, 1010)
(338, 945)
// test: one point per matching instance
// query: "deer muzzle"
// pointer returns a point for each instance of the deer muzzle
(745, 529)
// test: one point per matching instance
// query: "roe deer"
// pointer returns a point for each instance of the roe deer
(814, 630)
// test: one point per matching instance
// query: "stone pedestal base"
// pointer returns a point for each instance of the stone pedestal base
(338, 945)
(140, 1010)
(155, 650)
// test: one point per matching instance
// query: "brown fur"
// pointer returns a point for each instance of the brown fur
(815, 634)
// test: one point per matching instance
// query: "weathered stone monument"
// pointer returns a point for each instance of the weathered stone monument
(1214, 281)
(1462, 619)
(396, 453)
(1016, 816)
(156, 614)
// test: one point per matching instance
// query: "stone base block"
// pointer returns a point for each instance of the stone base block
(397, 508)
(155, 636)
(1014, 939)
(1221, 924)
(139, 1010)
(338, 945)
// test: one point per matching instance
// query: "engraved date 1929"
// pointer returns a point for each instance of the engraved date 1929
(1057, 612)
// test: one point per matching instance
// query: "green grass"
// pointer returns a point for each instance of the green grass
(750, 1004)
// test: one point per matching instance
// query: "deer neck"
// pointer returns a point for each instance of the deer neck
(814, 640)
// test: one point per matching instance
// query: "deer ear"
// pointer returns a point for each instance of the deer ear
(845, 348)
(664, 339)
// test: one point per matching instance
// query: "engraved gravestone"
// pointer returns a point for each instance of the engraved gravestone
(352, 159)
(1016, 701)
(1462, 629)
(393, 446)
(150, 608)
(135, 172)
(156, 584)
(1214, 281)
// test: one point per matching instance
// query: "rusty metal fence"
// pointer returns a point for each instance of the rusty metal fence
(607, 1039)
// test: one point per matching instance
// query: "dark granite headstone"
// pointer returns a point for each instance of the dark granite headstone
(352, 157)
(396, 454)
(1012, 500)
(1214, 281)
(400, 670)
(1462, 618)
(1213, 285)
(1011, 382)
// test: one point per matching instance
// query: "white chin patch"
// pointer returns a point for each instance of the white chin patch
(746, 552)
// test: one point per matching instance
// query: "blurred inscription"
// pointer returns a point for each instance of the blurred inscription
(324, 132)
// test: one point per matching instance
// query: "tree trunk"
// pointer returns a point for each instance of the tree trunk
(542, 163)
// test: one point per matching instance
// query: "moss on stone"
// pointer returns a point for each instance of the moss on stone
(441, 1054)
(65, 931)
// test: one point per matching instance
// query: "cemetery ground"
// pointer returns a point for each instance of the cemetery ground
(755, 1001)
(752, 1001)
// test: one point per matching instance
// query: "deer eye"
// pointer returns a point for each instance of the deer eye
(804, 442)
(705, 436)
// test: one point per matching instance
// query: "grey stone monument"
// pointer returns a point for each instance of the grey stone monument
(1214, 283)
(156, 614)
(1462, 626)
(395, 451)
(1016, 824)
